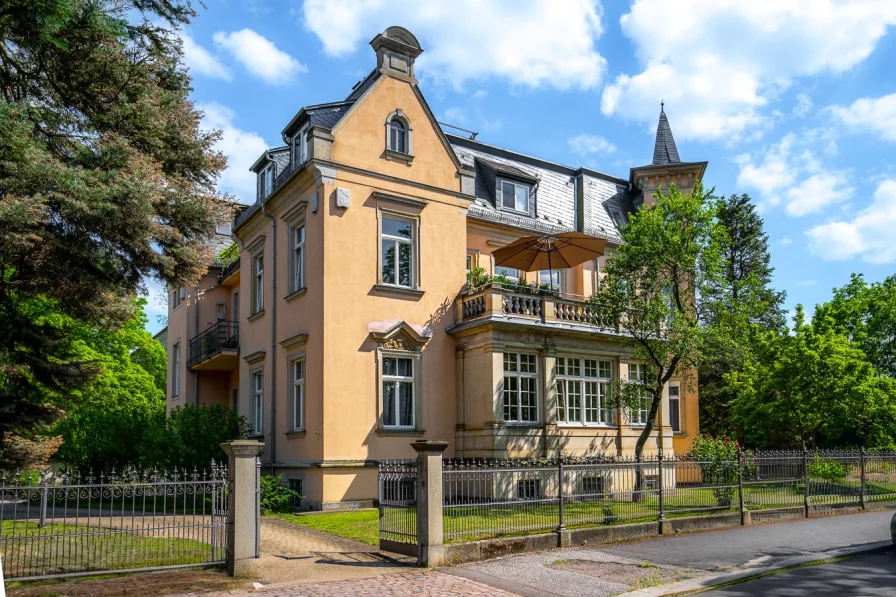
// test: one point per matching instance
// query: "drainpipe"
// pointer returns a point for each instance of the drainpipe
(273, 330)
(195, 333)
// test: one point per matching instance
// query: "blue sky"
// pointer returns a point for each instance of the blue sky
(791, 101)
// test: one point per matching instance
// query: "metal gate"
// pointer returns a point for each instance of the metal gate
(70, 525)
(398, 506)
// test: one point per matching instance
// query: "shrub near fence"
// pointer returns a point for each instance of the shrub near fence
(484, 499)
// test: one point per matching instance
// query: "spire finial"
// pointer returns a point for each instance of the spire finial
(662, 105)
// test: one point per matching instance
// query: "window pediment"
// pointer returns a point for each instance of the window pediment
(400, 336)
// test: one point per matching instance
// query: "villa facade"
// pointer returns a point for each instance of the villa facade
(345, 329)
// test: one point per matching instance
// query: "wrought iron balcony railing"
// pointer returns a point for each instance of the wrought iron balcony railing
(222, 336)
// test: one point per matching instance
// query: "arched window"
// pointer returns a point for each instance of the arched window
(398, 136)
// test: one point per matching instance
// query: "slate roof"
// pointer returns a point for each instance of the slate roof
(664, 151)
(327, 115)
(555, 202)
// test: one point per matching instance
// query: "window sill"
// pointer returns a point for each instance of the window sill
(521, 425)
(398, 290)
(254, 316)
(400, 432)
(390, 154)
(296, 294)
(585, 426)
(297, 434)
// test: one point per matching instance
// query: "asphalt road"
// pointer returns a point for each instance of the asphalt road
(759, 545)
(866, 575)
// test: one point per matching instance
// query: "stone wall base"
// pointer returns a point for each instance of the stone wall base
(460, 553)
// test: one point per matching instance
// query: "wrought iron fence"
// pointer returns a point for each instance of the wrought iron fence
(398, 501)
(490, 498)
(68, 524)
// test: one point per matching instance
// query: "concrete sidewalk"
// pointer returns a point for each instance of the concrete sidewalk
(611, 569)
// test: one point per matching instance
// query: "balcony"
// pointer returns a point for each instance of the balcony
(494, 303)
(217, 348)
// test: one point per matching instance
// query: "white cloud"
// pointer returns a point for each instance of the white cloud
(199, 60)
(803, 105)
(533, 42)
(793, 170)
(241, 147)
(817, 192)
(869, 114)
(260, 56)
(720, 63)
(786, 241)
(869, 235)
(585, 144)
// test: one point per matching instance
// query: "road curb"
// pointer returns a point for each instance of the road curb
(704, 583)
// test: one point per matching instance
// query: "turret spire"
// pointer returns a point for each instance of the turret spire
(665, 151)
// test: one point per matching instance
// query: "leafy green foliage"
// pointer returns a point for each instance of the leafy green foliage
(866, 314)
(276, 498)
(718, 462)
(811, 387)
(228, 255)
(657, 284)
(192, 436)
(105, 177)
(827, 469)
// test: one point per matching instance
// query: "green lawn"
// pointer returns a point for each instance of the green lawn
(27, 550)
(360, 525)
(470, 523)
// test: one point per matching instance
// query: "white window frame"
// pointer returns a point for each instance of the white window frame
(408, 132)
(677, 400)
(267, 180)
(257, 283)
(397, 241)
(180, 295)
(175, 378)
(396, 380)
(300, 146)
(256, 406)
(297, 279)
(638, 416)
(500, 271)
(516, 185)
(298, 394)
(516, 393)
(558, 287)
(572, 377)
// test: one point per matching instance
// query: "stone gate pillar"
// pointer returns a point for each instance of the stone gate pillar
(429, 501)
(243, 507)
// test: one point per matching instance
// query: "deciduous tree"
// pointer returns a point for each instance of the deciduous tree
(656, 288)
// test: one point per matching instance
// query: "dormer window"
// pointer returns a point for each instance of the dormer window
(267, 180)
(300, 146)
(514, 195)
(398, 137)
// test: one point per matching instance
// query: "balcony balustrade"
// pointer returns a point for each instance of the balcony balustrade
(495, 301)
(216, 347)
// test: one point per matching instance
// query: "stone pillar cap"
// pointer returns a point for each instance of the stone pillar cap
(242, 448)
(429, 445)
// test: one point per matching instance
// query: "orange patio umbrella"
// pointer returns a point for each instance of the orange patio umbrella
(550, 251)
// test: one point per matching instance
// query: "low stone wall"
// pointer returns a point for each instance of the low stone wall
(460, 553)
